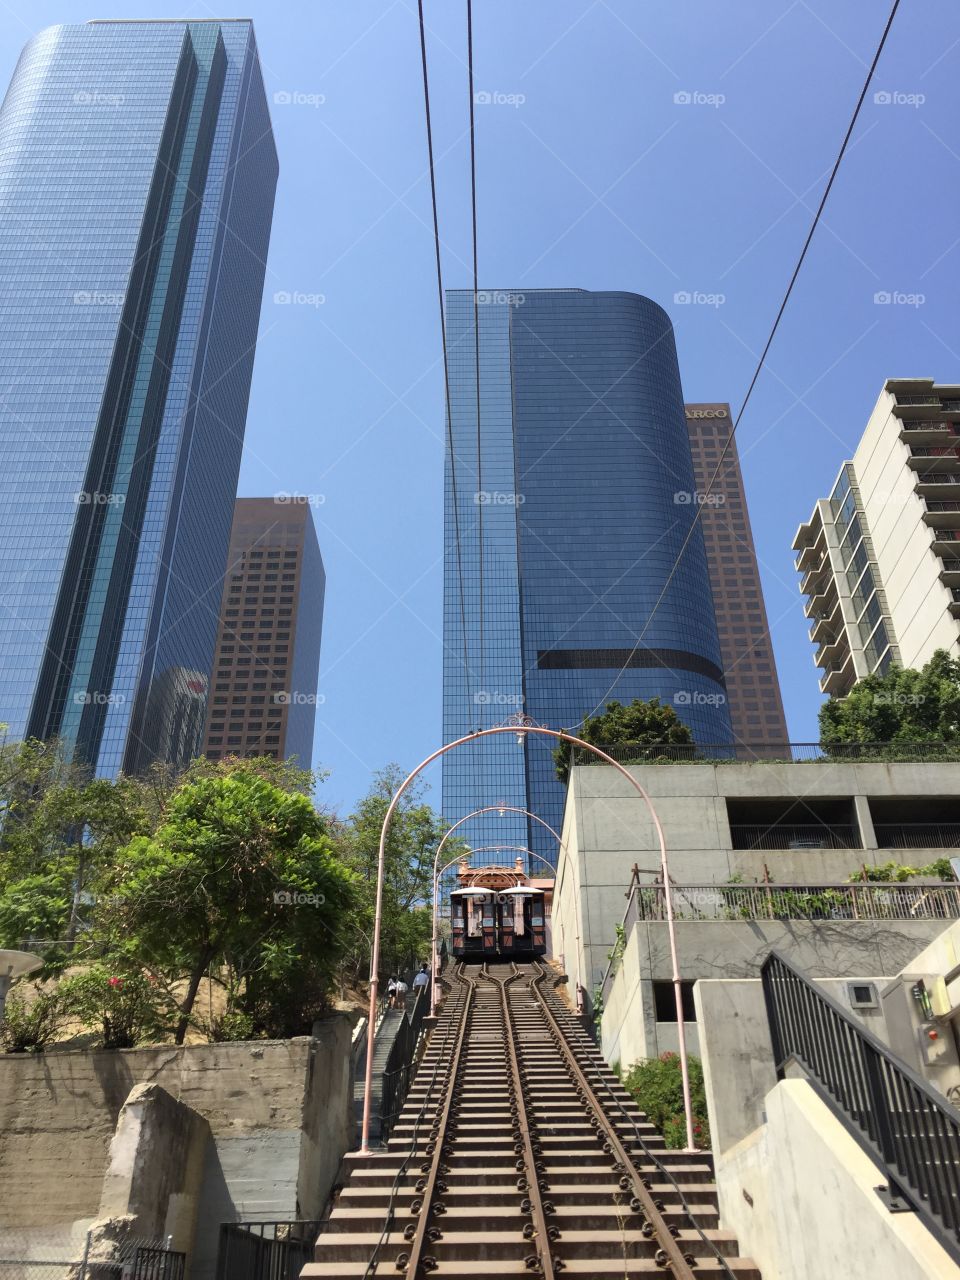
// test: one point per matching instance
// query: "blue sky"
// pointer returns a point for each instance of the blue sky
(591, 174)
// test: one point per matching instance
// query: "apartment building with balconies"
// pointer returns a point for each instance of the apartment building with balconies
(880, 558)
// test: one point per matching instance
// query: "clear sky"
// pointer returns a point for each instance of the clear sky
(591, 174)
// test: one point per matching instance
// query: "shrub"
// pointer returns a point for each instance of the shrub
(29, 1026)
(234, 1024)
(657, 1087)
(125, 1007)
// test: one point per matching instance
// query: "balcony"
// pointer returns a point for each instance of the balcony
(924, 431)
(840, 680)
(950, 573)
(832, 652)
(954, 605)
(827, 627)
(911, 401)
(945, 542)
(937, 483)
(823, 604)
(941, 515)
(814, 581)
(947, 457)
(801, 902)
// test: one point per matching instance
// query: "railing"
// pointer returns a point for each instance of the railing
(401, 1062)
(158, 1264)
(811, 835)
(801, 902)
(265, 1250)
(770, 753)
(904, 1124)
(917, 835)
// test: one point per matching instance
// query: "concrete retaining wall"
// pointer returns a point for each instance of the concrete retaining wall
(279, 1112)
(799, 1194)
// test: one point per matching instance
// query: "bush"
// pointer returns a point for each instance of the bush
(234, 1024)
(125, 1007)
(657, 1087)
(29, 1026)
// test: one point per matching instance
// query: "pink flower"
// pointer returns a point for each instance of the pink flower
(116, 982)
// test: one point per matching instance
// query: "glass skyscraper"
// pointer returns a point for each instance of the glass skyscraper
(137, 177)
(584, 491)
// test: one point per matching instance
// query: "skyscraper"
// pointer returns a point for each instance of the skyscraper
(137, 176)
(265, 698)
(581, 495)
(880, 558)
(749, 667)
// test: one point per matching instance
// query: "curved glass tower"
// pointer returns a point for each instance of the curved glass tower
(137, 175)
(584, 491)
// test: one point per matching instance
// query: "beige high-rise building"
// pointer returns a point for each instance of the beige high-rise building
(880, 558)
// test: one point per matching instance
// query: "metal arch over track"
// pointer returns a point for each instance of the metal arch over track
(519, 1153)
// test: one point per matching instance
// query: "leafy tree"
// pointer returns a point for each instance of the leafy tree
(415, 831)
(37, 907)
(903, 706)
(237, 866)
(639, 723)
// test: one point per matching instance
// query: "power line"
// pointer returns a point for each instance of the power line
(763, 355)
(476, 330)
(443, 339)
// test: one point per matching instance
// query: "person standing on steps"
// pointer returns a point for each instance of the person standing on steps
(421, 980)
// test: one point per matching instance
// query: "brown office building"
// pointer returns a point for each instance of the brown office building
(753, 690)
(264, 685)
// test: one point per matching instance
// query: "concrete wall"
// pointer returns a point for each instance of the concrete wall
(737, 1054)
(799, 1194)
(279, 1112)
(155, 1168)
(731, 949)
(607, 829)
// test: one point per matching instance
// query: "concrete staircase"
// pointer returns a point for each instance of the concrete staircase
(385, 1035)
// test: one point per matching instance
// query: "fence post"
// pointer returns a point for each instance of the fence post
(894, 1197)
(86, 1255)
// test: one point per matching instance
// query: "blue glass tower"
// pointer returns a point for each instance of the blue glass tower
(137, 176)
(584, 491)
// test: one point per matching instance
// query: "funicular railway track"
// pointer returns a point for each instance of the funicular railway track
(519, 1153)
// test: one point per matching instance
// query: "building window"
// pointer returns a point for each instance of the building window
(665, 1002)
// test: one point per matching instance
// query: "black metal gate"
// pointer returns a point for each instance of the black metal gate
(264, 1250)
(157, 1264)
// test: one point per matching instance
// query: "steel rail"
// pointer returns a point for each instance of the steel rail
(521, 1132)
(390, 1214)
(665, 1172)
(413, 1263)
(670, 1252)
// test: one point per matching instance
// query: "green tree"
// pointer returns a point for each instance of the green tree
(239, 872)
(903, 706)
(639, 723)
(415, 832)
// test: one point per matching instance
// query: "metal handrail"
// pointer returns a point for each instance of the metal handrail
(638, 753)
(903, 1123)
(265, 1249)
(866, 901)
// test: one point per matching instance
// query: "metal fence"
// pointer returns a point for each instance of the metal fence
(858, 901)
(401, 1063)
(808, 835)
(904, 1124)
(917, 835)
(770, 753)
(802, 902)
(28, 1256)
(265, 1250)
